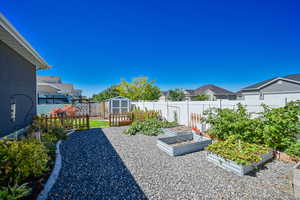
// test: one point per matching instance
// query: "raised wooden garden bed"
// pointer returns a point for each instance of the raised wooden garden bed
(182, 144)
(240, 170)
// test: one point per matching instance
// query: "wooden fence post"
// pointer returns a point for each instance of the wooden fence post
(88, 122)
(109, 119)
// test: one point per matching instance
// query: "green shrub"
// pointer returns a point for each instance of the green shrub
(166, 124)
(275, 128)
(280, 125)
(20, 160)
(228, 122)
(148, 127)
(294, 150)
(15, 192)
(59, 133)
(49, 141)
(140, 115)
(238, 151)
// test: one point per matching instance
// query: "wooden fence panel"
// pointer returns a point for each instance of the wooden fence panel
(123, 119)
(66, 122)
(195, 119)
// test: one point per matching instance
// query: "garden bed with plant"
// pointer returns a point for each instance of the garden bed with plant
(26, 164)
(275, 128)
(182, 144)
(238, 156)
(151, 126)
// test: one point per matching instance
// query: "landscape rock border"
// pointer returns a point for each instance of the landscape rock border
(55, 172)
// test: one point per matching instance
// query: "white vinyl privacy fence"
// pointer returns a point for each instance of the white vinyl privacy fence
(181, 110)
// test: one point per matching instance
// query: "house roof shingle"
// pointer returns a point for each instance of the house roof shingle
(294, 77)
(217, 90)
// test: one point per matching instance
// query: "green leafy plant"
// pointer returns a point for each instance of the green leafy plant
(20, 160)
(176, 95)
(59, 133)
(238, 151)
(275, 128)
(201, 97)
(49, 141)
(228, 122)
(148, 127)
(139, 89)
(280, 125)
(140, 115)
(107, 94)
(294, 150)
(15, 192)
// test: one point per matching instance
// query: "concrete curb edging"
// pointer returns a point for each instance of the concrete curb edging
(54, 174)
(71, 132)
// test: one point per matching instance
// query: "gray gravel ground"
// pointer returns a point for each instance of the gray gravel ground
(118, 166)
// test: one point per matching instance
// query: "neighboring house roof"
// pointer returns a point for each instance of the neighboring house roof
(49, 79)
(217, 90)
(257, 86)
(64, 87)
(49, 85)
(294, 77)
(55, 82)
(189, 92)
(165, 93)
(11, 37)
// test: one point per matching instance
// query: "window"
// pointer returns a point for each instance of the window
(261, 96)
(13, 109)
(119, 105)
(124, 103)
(116, 103)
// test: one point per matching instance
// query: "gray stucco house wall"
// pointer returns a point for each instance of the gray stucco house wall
(285, 88)
(18, 65)
(17, 85)
(282, 86)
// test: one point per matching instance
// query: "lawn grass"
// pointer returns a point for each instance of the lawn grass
(98, 124)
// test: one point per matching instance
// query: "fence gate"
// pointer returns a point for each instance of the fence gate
(122, 119)
(98, 110)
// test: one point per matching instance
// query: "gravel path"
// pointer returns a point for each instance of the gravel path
(118, 166)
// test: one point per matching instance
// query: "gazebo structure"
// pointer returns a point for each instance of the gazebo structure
(119, 105)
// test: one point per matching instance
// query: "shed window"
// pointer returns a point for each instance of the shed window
(116, 103)
(119, 105)
(124, 103)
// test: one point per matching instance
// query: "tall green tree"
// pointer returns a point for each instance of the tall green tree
(176, 95)
(107, 94)
(201, 97)
(139, 89)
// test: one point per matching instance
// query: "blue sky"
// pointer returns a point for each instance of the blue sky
(185, 44)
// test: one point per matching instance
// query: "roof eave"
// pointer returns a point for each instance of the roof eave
(37, 60)
(268, 83)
